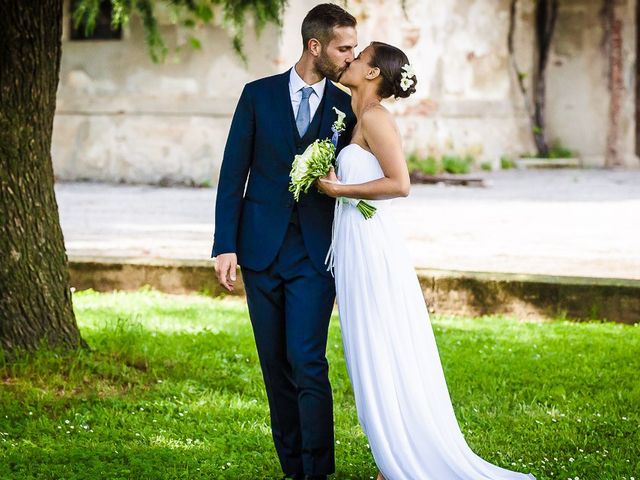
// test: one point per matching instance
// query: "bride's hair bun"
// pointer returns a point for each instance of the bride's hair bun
(398, 79)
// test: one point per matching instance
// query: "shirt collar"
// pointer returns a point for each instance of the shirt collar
(296, 83)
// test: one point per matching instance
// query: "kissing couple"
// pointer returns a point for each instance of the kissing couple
(298, 257)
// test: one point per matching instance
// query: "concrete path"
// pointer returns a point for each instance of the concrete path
(562, 222)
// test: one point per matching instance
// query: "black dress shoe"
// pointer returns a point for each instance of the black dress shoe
(315, 477)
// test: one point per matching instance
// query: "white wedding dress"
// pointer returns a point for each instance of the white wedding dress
(392, 359)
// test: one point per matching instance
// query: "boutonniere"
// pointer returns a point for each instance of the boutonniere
(338, 126)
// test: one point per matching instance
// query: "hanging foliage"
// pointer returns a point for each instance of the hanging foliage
(232, 15)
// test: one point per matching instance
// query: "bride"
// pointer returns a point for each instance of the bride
(400, 391)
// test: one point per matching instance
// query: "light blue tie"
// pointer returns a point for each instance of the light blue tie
(303, 118)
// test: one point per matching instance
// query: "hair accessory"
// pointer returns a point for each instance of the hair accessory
(407, 73)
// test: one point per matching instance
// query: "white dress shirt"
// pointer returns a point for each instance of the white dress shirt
(296, 84)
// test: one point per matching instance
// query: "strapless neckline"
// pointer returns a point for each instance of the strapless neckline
(361, 148)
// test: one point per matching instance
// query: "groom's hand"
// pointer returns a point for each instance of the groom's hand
(226, 266)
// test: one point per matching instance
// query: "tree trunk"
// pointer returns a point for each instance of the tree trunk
(613, 43)
(546, 16)
(35, 299)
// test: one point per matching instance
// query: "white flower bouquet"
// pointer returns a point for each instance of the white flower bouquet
(316, 161)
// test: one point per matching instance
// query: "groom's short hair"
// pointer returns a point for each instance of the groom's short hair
(321, 20)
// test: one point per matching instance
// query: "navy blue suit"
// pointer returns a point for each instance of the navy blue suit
(281, 247)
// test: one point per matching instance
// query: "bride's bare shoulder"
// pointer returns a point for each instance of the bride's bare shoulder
(376, 112)
(378, 117)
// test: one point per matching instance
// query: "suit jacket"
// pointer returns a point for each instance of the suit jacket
(253, 202)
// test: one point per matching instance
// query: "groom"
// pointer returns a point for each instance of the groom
(280, 244)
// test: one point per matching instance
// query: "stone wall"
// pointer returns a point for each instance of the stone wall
(577, 81)
(465, 104)
(530, 297)
(122, 118)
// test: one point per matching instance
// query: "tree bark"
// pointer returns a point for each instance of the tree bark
(613, 43)
(518, 74)
(35, 299)
(546, 16)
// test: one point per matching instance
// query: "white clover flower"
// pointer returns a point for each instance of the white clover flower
(409, 71)
(405, 84)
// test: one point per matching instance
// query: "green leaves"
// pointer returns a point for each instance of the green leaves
(85, 13)
(315, 162)
(155, 43)
(190, 14)
(366, 209)
(195, 43)
(121, 10)
(204, 12)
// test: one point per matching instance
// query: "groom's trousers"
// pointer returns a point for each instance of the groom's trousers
(290, 305)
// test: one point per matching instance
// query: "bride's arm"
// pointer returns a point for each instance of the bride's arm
(381, 134)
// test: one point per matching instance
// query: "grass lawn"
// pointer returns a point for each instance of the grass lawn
(173, 390)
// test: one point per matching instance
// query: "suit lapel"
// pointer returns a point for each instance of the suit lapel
(284, 111)
(328, 115)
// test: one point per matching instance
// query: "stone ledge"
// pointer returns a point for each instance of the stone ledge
(447, 292)
(533, 162)
(532, 296)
